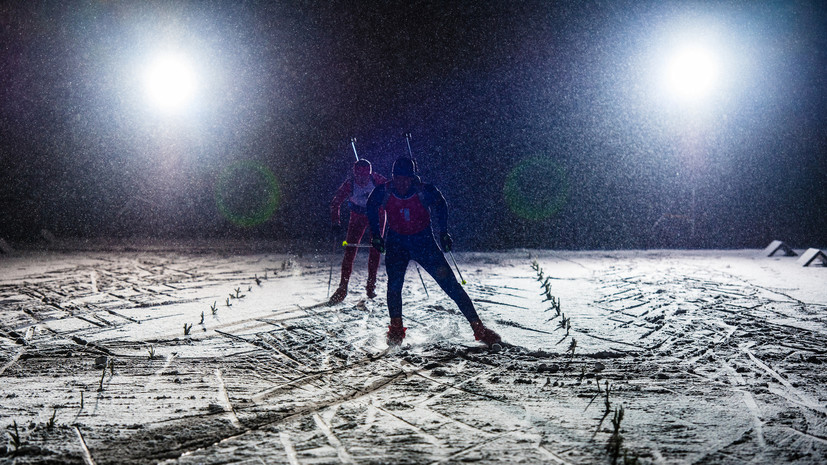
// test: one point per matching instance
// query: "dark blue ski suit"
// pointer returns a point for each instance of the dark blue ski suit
(409, 237)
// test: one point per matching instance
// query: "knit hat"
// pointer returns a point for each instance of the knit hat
(404, 166)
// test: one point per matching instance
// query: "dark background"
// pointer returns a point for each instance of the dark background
(483, 87)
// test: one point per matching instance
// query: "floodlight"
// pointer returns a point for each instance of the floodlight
(691, 73)
(170, 82)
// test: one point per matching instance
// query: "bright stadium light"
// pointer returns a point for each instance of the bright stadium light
(691, 73)
(170, 82)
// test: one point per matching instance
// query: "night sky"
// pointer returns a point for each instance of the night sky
(543, 123)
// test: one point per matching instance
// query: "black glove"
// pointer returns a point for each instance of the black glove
(337, 229)
(378, 243)
(446, 242)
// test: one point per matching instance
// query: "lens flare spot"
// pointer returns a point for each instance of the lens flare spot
(247, 193)
(536, 189)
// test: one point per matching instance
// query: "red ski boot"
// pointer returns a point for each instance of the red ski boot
(396, 332)
(487, 336)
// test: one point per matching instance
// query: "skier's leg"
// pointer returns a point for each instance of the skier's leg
(396, 262)
(433, 261)
(373, 262)
(373, 268)
(354, 234)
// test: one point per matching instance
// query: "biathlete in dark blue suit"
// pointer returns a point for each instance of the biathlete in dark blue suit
(409, 204)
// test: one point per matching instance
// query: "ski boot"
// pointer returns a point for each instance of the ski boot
(396, 332)
(487, 336)
(338, 296)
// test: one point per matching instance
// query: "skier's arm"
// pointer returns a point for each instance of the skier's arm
(335, 205)
(373, 206)
(378, 179)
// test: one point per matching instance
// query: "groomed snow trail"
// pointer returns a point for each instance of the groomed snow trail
(199, 356)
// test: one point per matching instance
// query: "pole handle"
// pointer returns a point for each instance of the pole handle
(361, 246)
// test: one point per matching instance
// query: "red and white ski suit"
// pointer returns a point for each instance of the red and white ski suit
(357, 197)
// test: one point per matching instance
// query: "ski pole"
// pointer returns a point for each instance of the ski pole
(353, 144)
(408, 140)
(427, 295)
(361, 246)
(457, 267)
(329, 279)
(410, 153)
(330, 276)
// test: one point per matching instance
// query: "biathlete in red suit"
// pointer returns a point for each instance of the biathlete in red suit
(409, 204)
(356, 192)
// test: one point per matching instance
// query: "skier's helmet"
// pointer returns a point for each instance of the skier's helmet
(404, 166)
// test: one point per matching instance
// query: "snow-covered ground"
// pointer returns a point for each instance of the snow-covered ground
(713, 356)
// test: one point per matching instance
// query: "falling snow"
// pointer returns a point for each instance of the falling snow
(165, 246)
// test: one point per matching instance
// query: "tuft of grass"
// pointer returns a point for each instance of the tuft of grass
(111, 365)
(151, 352)
(202, 319)
(549, 297)
(51, 423)
(258, 280)
(14, 437)
(556, 305)
(228, 303)
(187, 328)
(572, 347)
(564, 322)
(607, 403)
(616, 439)
(214, 308)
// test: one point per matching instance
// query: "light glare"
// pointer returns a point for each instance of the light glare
(170, 82)
(691, 73)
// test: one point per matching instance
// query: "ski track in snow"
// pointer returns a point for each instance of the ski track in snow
(715, 357)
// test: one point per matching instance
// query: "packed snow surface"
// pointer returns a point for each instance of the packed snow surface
(217, 355)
